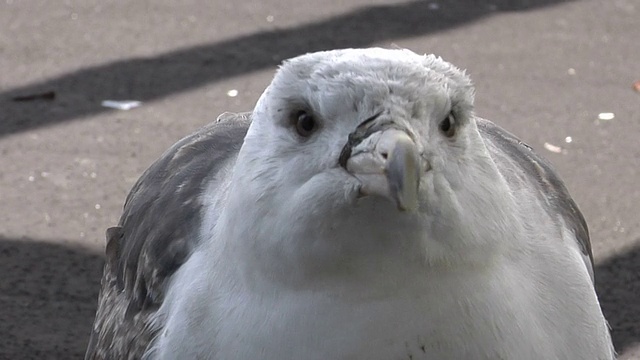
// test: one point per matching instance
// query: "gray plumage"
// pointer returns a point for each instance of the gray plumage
(156, 234)
(512, 154)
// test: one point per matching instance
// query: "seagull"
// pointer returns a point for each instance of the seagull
(360, 211)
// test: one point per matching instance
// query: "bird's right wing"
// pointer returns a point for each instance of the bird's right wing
(157, 233)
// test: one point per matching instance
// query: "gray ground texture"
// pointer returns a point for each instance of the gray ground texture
(544, 69)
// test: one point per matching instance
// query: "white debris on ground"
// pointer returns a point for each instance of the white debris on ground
(553, 148)
(606, 116)
(121, 104)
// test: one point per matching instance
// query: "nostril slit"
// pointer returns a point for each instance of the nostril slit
(384, 155)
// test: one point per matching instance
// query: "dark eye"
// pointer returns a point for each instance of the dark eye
(305, 123)
(448, 126)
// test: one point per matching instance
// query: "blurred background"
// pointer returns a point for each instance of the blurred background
(558, 73)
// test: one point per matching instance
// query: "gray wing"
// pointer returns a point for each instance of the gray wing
(156, 234)
(508, 151)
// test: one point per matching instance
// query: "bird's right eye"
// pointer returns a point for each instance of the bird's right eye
(305, 123)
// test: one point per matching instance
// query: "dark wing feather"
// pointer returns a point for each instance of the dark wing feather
(540, 174)
(157, 233)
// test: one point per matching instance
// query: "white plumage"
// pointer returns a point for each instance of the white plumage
(367, 214)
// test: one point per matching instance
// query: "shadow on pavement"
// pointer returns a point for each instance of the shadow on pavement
(48, 295)
(80, 93)
(618, 286)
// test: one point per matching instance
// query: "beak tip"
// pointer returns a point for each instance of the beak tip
(406, 201)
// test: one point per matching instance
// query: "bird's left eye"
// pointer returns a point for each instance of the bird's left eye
(305, 123)
(448, 126)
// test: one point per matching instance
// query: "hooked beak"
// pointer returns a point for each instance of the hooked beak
(386, 160)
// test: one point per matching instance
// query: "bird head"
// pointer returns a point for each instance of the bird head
(348, 146)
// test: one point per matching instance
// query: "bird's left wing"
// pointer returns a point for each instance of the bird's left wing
(512, 156)
(156, 235)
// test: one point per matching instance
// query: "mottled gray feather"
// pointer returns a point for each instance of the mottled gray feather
(157, 233)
